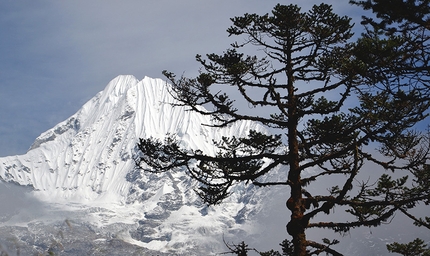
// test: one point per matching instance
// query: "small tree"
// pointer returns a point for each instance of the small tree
(238, 249)
(332, 108)
(414, 248)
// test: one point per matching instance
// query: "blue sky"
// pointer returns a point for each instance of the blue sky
(56, 55)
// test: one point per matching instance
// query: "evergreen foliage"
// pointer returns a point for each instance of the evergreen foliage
(339, 106)
(414, 248)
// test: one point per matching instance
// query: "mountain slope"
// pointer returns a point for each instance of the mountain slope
(87, 161)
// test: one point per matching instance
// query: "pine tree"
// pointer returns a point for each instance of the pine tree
(414, 248)
(332, 108)
(397, 42)
(402, 29)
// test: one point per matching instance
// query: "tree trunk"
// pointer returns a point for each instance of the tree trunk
(296, 227)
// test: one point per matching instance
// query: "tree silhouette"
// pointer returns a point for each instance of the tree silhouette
(334, 111)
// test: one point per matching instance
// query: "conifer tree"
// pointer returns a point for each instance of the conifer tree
(414, 248)
(334, 112)
(397, 43)
(402, 27)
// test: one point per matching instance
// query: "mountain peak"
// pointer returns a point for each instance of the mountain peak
(93, 148)
(88, 160)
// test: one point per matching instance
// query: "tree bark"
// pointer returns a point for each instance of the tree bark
(296, 227)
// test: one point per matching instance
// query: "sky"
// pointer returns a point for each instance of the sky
(56, 55)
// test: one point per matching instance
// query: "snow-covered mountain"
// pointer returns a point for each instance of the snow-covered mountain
(85, 165)
(89, 155)
(83, 195)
